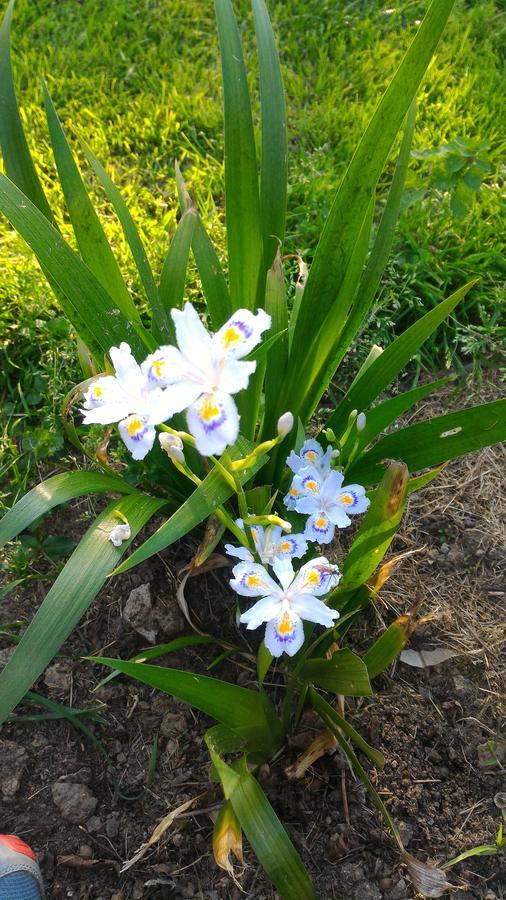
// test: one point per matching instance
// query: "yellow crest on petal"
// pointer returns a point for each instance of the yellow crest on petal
(134, 425)
(231, 337)
(209, 409)
(285, 625)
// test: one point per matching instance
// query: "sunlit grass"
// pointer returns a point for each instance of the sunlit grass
(140, 82)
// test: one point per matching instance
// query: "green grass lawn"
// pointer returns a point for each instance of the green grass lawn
(140, 82)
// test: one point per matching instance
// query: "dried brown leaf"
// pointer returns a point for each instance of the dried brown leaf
(427, 879)
(384, 571)
(323, 743)
(159, 831)
(227, 839)
(424, 659)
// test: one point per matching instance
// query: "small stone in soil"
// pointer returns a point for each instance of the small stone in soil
(75, 801)
(367, 891)
(13, 762)
(112, 825)
(57, 677)
(172, 723)
(399, 891)
(5, 655)
(138, 612)
(94, 824)
(406, 832)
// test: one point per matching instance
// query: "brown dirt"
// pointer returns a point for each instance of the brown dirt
(432, 725)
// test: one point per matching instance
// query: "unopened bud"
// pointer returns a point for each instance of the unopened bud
(330, 435)
(361, 421)
(168, 442)
(334, 454)
(175, 454)
(286, 526)
(119, 534)
(285, 424)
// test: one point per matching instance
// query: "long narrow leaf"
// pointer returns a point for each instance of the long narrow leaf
(214, 285)
(213, 492)
(90, 236)
(357, 187)
(70, 596)
(364, 778)
(329, 715)
(244, 234)
(234, 706)
(87, 304)
(430, 443)
(344, 673)
(173, 277)
(274, 164)
(380, 252)
(277, 358)
(16, 155)
(388, 365)
(56, 490)
(129, 227)
(384, 414)
(264, 831)
(376, 532)
(322, 367)
(389, 644)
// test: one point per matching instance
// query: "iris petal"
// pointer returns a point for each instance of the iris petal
(239, 552)
(252, 580)
(319, 528)
(127, 370)
(261, 611)
(193, 340)
(243, 331)
(285, 634)
(235, 375)
(138, 435)
(313, 610)
(319, 576)
(214, 422)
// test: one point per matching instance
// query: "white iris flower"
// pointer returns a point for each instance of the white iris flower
(283, 605)
(200, 376)
(269, 543)
(327, 503)
(205, 370)
(128, 397)
(311, 455)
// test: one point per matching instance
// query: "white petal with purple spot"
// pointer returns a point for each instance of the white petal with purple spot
(214, 423)
(285, 634)
(138, 435)
(241, 333)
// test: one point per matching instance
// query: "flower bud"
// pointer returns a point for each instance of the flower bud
(119, 534)
(175, 454)
(170, 441)
(286, 526)
(173, 446)
(285, 424)
(360, 421)
(334, 454)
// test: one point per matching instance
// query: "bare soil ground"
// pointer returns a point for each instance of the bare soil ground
(438, 727)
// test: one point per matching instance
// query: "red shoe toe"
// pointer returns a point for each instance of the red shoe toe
(14, 843)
